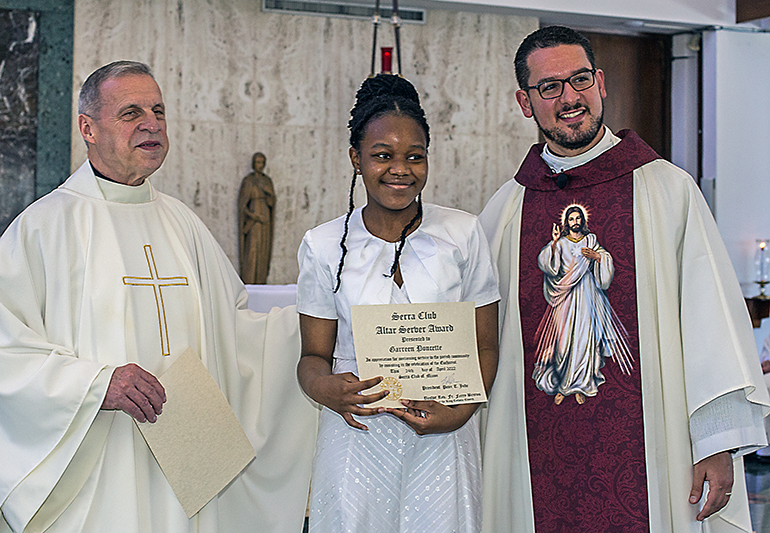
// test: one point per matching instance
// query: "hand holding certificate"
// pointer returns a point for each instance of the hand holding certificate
(423, 352)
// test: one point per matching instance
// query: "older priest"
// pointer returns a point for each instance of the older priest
(102, 283)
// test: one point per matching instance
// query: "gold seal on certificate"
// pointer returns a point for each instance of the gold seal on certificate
(393, 385)
(422, 351)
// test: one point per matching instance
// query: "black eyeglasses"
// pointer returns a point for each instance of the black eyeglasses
(551, 89)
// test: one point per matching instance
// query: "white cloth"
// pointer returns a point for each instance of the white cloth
(262, 298)
(75, 302)
(389, 479)
(560, 164)
(696, 350)
(764, 353)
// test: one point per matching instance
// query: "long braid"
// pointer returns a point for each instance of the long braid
(402, 239)
(351, 206)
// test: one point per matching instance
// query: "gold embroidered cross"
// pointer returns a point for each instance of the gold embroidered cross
(157, 283)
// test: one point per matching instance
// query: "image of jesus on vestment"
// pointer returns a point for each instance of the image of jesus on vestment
(579, 328)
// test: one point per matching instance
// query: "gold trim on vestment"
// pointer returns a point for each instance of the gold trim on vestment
(157, 283)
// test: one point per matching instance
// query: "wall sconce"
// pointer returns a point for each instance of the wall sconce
(759, 305)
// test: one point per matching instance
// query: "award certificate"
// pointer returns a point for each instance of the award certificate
(422, 351)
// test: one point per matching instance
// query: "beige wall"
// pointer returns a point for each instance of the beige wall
(237, 80)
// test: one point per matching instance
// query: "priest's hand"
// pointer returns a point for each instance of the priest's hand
(137, 392)
(426, 417)
(341, 393)
(718, 471)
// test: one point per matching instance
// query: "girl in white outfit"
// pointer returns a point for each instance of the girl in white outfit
(416, 469)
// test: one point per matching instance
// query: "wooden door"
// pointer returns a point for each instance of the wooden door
(637, 72)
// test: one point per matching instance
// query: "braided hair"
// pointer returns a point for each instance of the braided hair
(381, 95)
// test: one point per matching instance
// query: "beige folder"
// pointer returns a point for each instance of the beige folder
(197, 440)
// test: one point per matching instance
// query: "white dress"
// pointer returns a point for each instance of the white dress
(389, 479)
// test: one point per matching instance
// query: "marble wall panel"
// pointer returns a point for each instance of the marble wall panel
(237, 80)
(18, 111)
(54, 94)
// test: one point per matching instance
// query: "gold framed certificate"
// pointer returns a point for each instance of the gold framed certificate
(422, 351)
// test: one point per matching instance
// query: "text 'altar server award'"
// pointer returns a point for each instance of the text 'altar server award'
(422, 351)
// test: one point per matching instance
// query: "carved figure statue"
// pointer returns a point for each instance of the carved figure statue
(256, 206)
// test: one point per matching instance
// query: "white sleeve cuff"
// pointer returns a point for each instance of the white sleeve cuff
(729, 422)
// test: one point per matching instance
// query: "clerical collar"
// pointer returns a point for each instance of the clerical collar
(115, 191)
(99, 174)
(560, 164)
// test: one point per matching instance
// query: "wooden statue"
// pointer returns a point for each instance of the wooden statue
(256, 208)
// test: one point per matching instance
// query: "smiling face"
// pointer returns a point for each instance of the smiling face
(571, 123)
(393, 161)
(127, 141)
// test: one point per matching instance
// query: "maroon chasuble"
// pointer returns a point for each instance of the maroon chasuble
(581, 342)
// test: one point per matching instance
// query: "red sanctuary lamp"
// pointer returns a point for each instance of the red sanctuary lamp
(387, 59)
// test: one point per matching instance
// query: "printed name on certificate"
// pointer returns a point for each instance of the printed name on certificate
(422, 351)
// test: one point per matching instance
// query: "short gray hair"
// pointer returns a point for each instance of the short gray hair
(89, 102)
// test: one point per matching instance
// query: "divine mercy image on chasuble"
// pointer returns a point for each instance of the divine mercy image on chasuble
(579, 330)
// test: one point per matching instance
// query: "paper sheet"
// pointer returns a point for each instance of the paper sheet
(423, 351)
(197, 440)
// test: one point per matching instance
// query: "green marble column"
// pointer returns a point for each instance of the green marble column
(19, 39)
(54, 103)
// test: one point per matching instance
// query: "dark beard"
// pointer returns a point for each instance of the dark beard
(577, 140)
